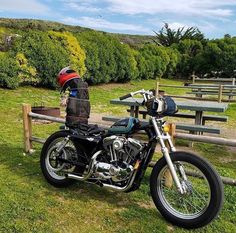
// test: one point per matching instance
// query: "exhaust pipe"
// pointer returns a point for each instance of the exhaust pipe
(108, 186)
(90, 169)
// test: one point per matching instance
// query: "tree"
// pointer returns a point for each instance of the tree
(167, 36)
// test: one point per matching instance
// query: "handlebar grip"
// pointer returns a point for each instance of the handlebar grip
(125, 96)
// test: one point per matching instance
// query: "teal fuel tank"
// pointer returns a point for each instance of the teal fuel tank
(124, 126)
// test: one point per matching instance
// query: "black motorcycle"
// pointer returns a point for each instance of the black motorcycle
(184, 187)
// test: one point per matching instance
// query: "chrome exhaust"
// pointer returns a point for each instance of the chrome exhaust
(90, 169)
(108, 186)
(122, 189)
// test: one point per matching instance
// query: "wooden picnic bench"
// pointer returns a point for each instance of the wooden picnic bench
(197, 106)
(196, 79)
(189, 116)
(219, 90)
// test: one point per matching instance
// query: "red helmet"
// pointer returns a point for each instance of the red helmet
(65, 75)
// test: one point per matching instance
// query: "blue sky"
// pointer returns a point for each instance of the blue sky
(213, 17)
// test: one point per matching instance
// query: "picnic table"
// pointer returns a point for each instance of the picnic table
(213, 89)
(199, 107)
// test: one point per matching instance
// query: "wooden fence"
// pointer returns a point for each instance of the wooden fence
(29, 138)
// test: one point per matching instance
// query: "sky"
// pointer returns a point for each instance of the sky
(214, 18)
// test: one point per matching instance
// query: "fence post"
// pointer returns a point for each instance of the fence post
(172, 132)
(220, 93)
(157, 89)
(193, 77)
(233, 81)
(27, 127)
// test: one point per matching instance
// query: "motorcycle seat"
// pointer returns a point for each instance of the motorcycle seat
(89, 129)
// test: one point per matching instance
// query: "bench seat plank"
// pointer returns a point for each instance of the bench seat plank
(211, 93)
(198, 128)
(192, 116)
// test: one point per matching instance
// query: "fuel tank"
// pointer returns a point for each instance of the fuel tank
(124, 126)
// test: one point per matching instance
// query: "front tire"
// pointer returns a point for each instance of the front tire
(203, 199)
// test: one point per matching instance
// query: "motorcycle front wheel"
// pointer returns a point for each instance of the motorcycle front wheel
(203, 196)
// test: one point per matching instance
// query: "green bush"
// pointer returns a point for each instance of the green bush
(8, 71)
(125, 63)
(45, 54)
(99, 61)
(189, 50)
(27, 74)
(152, 61)
(209, 59)
(72, 46)
(171, 68)
(107, 60)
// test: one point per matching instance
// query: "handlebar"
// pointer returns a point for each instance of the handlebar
(125, 96)
(146, 94)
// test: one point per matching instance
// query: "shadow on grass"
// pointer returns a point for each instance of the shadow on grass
(27, 168)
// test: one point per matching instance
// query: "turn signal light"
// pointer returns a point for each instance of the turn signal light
(166, 128)
(136, 166)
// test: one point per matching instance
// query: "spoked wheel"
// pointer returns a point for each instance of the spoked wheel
(52, 164)
(203, 191)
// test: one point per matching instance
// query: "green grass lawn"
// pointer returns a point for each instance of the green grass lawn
(29, 204)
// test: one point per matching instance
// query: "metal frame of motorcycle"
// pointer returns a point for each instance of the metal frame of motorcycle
(161, 137)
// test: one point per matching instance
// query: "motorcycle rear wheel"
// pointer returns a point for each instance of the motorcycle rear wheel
(204, 197)
(54, 171)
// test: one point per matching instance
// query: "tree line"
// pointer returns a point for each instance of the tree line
(34, 57)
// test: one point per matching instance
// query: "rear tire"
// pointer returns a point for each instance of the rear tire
(171, 211)
(49, 147)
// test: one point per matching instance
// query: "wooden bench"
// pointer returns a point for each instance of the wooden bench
(186, 127)
(218, 90)
(198, 128)
(213, 80)
(205, 92)
(190, 116)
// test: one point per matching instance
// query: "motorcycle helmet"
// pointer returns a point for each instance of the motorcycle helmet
(67, 78)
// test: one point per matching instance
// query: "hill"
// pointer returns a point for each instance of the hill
(44, 25)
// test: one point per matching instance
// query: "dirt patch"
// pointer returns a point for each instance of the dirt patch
(227, 159)
(147, 205)
(170, 228)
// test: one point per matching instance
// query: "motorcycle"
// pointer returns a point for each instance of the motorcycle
(185, 188)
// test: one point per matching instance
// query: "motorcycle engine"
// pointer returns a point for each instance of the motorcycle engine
(122, 153)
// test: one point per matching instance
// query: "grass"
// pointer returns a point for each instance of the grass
(29, 204)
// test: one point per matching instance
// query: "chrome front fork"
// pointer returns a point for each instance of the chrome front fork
(161, 137)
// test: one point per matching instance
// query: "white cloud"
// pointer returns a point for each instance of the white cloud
(177, 25)
(23, 6)
(83, 6)
(206, 8)
(98, 23)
